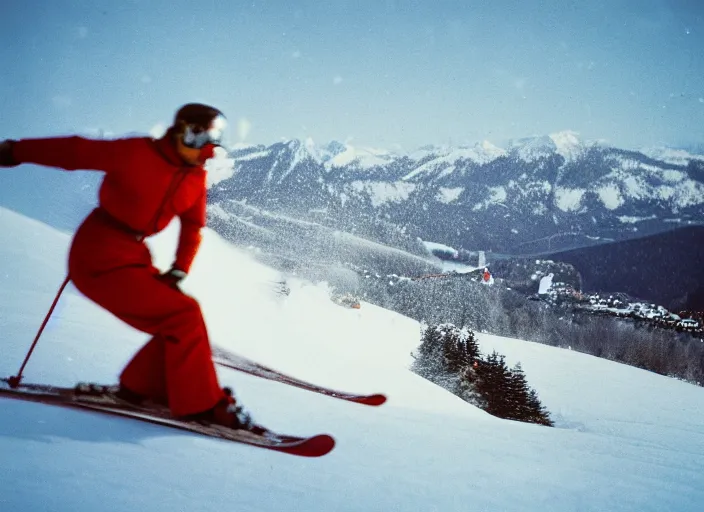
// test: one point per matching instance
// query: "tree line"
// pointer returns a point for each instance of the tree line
(504, 312)
(450, 357)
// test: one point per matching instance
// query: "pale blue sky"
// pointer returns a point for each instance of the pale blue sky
(372, 72)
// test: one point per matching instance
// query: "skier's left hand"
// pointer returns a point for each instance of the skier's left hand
(6, 159)
(172, 277)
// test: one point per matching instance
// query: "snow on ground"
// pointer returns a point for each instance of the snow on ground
(627, 439)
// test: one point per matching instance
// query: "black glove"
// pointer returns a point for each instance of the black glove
(6, 159)
(173, 277)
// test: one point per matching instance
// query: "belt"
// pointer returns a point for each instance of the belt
(111, 221)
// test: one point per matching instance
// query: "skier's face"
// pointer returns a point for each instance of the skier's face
(191, 156)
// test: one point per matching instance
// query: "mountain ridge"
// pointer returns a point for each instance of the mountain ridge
(541, 194)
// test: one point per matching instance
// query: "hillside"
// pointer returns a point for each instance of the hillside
(665, 268)
(642, 448)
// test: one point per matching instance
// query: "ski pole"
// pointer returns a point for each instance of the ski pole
(15, 381)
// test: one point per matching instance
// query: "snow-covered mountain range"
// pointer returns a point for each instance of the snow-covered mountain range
(538, 194)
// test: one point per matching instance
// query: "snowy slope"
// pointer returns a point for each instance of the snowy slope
(627, 439)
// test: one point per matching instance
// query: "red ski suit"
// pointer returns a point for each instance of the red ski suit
(146, 184)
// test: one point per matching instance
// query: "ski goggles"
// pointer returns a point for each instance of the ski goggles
(197, 136)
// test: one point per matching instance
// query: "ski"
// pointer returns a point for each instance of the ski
(105, 403)
(233, 361)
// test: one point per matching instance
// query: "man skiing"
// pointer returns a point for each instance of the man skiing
(147, 183)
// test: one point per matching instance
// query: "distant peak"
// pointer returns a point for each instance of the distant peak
(335, 147)
(490, 148)
(567, 143)
(569, 137)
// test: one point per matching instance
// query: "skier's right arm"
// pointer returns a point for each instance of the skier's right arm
(69, 153)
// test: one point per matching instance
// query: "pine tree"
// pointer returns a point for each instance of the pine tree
(538, 413)
(493, 377)
(450, 357)
(471, 345)
(517, 398)
(428, 362)
(467, 388)
(458, 353)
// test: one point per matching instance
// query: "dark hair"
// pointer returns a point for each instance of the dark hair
(196, 114)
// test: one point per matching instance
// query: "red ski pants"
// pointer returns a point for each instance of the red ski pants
(175, 366)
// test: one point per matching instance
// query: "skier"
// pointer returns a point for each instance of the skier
(147, 183)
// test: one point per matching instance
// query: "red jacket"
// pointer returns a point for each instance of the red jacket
(146, 183)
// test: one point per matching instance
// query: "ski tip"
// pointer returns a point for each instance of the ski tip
(315, 446)
(373, 400)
